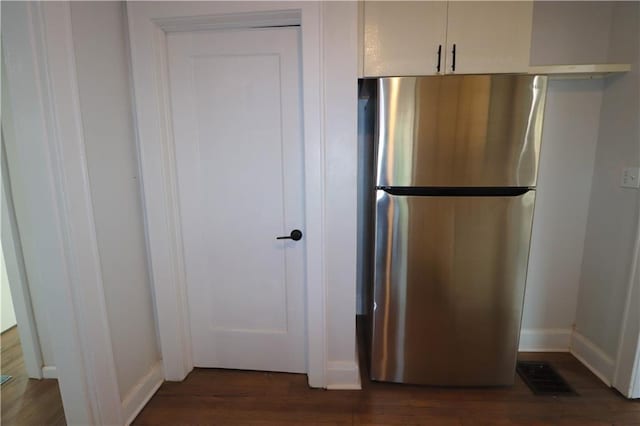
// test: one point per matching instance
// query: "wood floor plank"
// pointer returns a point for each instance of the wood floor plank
(231, 397)
(210, 396)
(25, 401)
(228, 397)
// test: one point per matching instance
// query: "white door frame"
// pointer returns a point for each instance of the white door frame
(52, 199)
(149, 24)
(16, 273)
(626, 376)
(14, 262)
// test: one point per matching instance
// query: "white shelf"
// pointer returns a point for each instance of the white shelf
(580, 71)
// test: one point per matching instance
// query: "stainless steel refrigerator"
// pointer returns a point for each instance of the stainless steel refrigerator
(454, 166)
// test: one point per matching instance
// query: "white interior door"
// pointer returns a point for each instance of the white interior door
(235, 97)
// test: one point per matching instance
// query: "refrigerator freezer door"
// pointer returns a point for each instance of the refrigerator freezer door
(460, 130)
(448, 288)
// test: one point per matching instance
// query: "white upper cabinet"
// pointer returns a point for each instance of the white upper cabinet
(489, 37)
(404, 38)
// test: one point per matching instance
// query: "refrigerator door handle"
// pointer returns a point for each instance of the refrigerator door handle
(510, 191)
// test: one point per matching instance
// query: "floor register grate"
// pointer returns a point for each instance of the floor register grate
(543, 379)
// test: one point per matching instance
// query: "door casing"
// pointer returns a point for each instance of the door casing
(149, 24)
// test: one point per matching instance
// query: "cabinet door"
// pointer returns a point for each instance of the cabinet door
(489, 37)
(402, 38)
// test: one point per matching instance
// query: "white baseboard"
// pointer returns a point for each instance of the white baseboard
(592, 357)
(545, 340)
(142, 392)
(49, 372)
(343, 376)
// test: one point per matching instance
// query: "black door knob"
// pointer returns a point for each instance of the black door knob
(295, 235)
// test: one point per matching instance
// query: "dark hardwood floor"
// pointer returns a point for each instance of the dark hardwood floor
(26, 401)
(228, 397)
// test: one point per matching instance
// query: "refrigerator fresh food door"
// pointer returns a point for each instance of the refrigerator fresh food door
(448, 288)
(460, 130)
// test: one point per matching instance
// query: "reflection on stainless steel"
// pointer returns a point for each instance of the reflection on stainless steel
(455, 170)
(462, 130)
(449, 285)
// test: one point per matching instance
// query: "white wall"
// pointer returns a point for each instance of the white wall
(562, 199)
(613, 211)
(585, 223)
(7, 314)
(570, 32)
(341, 158)
(99, 31)
(563, 32)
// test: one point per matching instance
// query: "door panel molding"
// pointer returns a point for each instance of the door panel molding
(149, 24)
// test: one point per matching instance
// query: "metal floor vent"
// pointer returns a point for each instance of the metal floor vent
(543, 379)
